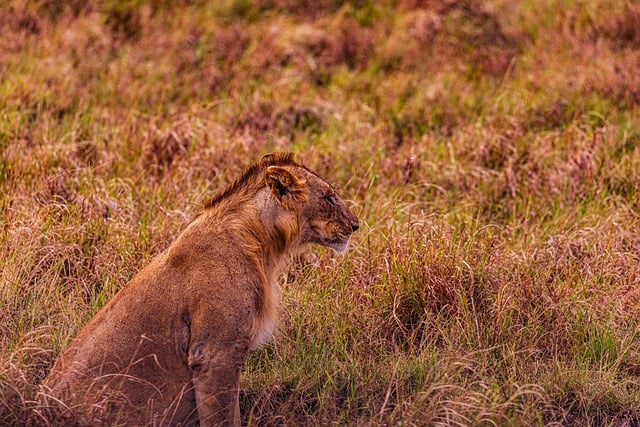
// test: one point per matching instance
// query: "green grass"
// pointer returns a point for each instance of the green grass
(491, 150)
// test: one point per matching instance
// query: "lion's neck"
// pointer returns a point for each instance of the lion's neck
(281, 229)
(267, 233)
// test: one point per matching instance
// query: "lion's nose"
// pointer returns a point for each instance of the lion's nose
(354, 226)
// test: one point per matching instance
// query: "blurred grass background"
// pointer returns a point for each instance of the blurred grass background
(490, 148)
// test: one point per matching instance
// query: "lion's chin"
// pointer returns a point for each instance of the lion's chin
(340, 247)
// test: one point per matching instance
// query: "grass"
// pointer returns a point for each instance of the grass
(490, 148)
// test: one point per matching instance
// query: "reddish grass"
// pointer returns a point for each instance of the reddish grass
(489, 147)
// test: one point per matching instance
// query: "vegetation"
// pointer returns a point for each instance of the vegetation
(491, 149)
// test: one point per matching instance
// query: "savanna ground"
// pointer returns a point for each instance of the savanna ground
(491, 150)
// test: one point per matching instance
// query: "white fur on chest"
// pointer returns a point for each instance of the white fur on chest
(265, 322)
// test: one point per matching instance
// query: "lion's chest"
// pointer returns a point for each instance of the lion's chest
(265, 320)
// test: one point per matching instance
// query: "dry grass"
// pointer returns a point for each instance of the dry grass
(491, 149)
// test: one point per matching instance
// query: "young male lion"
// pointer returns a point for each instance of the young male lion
(169, 347)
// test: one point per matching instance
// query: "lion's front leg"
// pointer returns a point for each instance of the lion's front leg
(216, 380)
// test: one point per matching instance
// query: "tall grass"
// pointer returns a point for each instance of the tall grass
(490, 148)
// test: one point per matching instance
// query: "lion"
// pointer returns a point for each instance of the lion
(169, 347)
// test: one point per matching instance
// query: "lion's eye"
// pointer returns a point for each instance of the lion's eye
(329, 198)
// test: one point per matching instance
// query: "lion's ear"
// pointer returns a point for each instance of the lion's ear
(286, 188)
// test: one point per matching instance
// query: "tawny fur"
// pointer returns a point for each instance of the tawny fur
(169, 347)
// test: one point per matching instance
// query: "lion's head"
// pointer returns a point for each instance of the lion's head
(324, 218)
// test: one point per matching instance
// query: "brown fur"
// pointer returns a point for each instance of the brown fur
(169, 347)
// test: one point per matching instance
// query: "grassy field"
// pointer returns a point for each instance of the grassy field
(491, 150)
